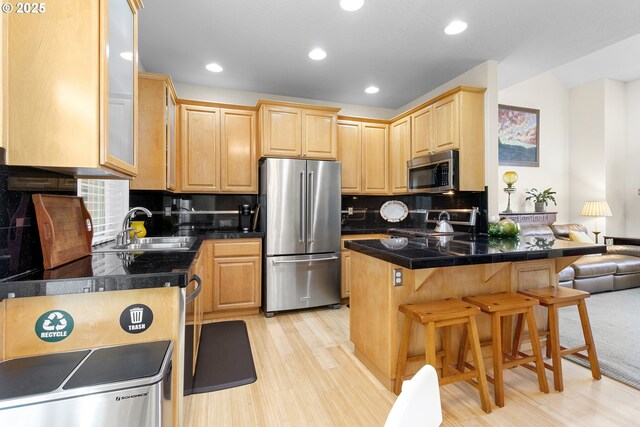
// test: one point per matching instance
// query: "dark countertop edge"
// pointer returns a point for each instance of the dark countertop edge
(460, 260)
(365, 231)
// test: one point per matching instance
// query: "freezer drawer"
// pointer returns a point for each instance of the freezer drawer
(301, 281)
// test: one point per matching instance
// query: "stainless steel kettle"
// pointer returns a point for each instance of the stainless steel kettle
(442, 225)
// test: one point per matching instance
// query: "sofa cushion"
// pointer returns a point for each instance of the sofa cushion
(594, 266)
(535, 230)
(624, 250)
(566, 274)
(579, 236)
(595, 284)
(561, 231)
(625, 264)
(626, 281)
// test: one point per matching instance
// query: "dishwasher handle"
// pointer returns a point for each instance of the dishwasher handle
(197, 290)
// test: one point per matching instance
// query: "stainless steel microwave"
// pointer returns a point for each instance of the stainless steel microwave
(435, 173)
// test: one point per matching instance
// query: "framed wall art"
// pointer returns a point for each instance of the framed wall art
(518, 136)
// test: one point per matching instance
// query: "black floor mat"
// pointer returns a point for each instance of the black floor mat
(224, 358)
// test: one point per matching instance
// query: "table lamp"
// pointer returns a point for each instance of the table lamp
(598, 208)
(509, 178)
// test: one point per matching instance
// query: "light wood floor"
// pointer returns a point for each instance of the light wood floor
(308, 376)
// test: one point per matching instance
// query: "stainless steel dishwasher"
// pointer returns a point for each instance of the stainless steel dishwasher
(124, 386)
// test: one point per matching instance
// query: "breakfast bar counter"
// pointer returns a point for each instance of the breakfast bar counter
(388, 272)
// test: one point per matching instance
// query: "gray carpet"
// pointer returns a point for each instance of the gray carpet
(615, 321)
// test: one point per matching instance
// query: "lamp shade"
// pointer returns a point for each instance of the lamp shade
(510, 177)
(596, 208)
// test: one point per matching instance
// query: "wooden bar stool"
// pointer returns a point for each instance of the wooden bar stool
(554, 298)
(443, 314)
(499, 305)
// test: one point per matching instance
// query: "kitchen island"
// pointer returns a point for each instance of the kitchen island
(388, 272)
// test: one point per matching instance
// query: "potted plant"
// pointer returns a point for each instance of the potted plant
(541, 198)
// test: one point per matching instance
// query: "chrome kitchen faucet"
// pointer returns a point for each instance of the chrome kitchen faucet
(122, 237)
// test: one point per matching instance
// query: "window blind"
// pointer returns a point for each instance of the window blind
(107, 201)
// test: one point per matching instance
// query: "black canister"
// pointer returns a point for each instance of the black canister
(244, 218)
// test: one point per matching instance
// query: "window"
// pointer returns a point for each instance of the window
(107, 201)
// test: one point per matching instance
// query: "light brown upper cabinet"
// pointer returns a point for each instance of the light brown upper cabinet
(399, 154)
(156, 133)
(70, 106)
(350, 154)
(422, 132)
(218, 149)
(363, 149)
(200, 149)
(238, 164)
(447, 129)
(291, 130)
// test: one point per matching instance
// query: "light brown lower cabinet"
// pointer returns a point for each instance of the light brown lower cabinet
(234, 283)
(345, 261)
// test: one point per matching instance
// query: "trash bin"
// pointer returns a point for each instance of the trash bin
(124, 386)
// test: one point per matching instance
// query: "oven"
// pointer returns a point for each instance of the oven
(435, 173)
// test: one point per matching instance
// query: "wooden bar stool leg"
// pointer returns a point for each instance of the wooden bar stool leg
(553, 342)
(446, 346)
(535, 345)
(402, 355)
(517, 338)
(464, 347)
(588, 339)
(476, 351)
(430, 344)
(498, 382)
(547, 343)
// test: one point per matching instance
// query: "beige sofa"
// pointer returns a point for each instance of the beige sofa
(617, 269)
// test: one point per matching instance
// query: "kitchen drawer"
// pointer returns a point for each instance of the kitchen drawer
(359, 237)
(223, 248)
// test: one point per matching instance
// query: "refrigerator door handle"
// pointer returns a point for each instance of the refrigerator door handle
(311, 208)
(303, 213)
(297, 261)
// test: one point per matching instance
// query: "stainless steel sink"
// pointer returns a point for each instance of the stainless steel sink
(147, 244)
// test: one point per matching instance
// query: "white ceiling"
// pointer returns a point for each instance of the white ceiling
(398, 46)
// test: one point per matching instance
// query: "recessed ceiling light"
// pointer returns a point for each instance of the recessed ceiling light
(213, 67)
(372, 89)
(455, 27)
(127, 56)
(317, 54)
(351, 5)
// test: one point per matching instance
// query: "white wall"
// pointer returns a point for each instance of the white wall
(632, 177)
(546, 93)
(587, 171)
(239, 97)
(615, 144)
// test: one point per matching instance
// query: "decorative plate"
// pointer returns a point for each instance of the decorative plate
(394, 211)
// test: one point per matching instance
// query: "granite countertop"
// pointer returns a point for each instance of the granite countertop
(430, 252)
(112, 271)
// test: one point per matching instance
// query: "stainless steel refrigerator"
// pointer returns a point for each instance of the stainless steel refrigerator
(301, 217)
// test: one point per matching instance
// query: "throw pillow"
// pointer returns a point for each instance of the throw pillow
(579, 236)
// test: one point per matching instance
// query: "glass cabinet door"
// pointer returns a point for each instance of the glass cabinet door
(121, 68)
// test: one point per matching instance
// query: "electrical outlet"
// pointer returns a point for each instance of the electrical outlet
(397, 277)
(350, 209)
(167, 211)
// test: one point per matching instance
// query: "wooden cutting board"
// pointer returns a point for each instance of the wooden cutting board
(65, 228)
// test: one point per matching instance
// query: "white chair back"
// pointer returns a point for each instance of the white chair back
(419, 402)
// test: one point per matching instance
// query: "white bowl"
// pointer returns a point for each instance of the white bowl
(395, 242)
